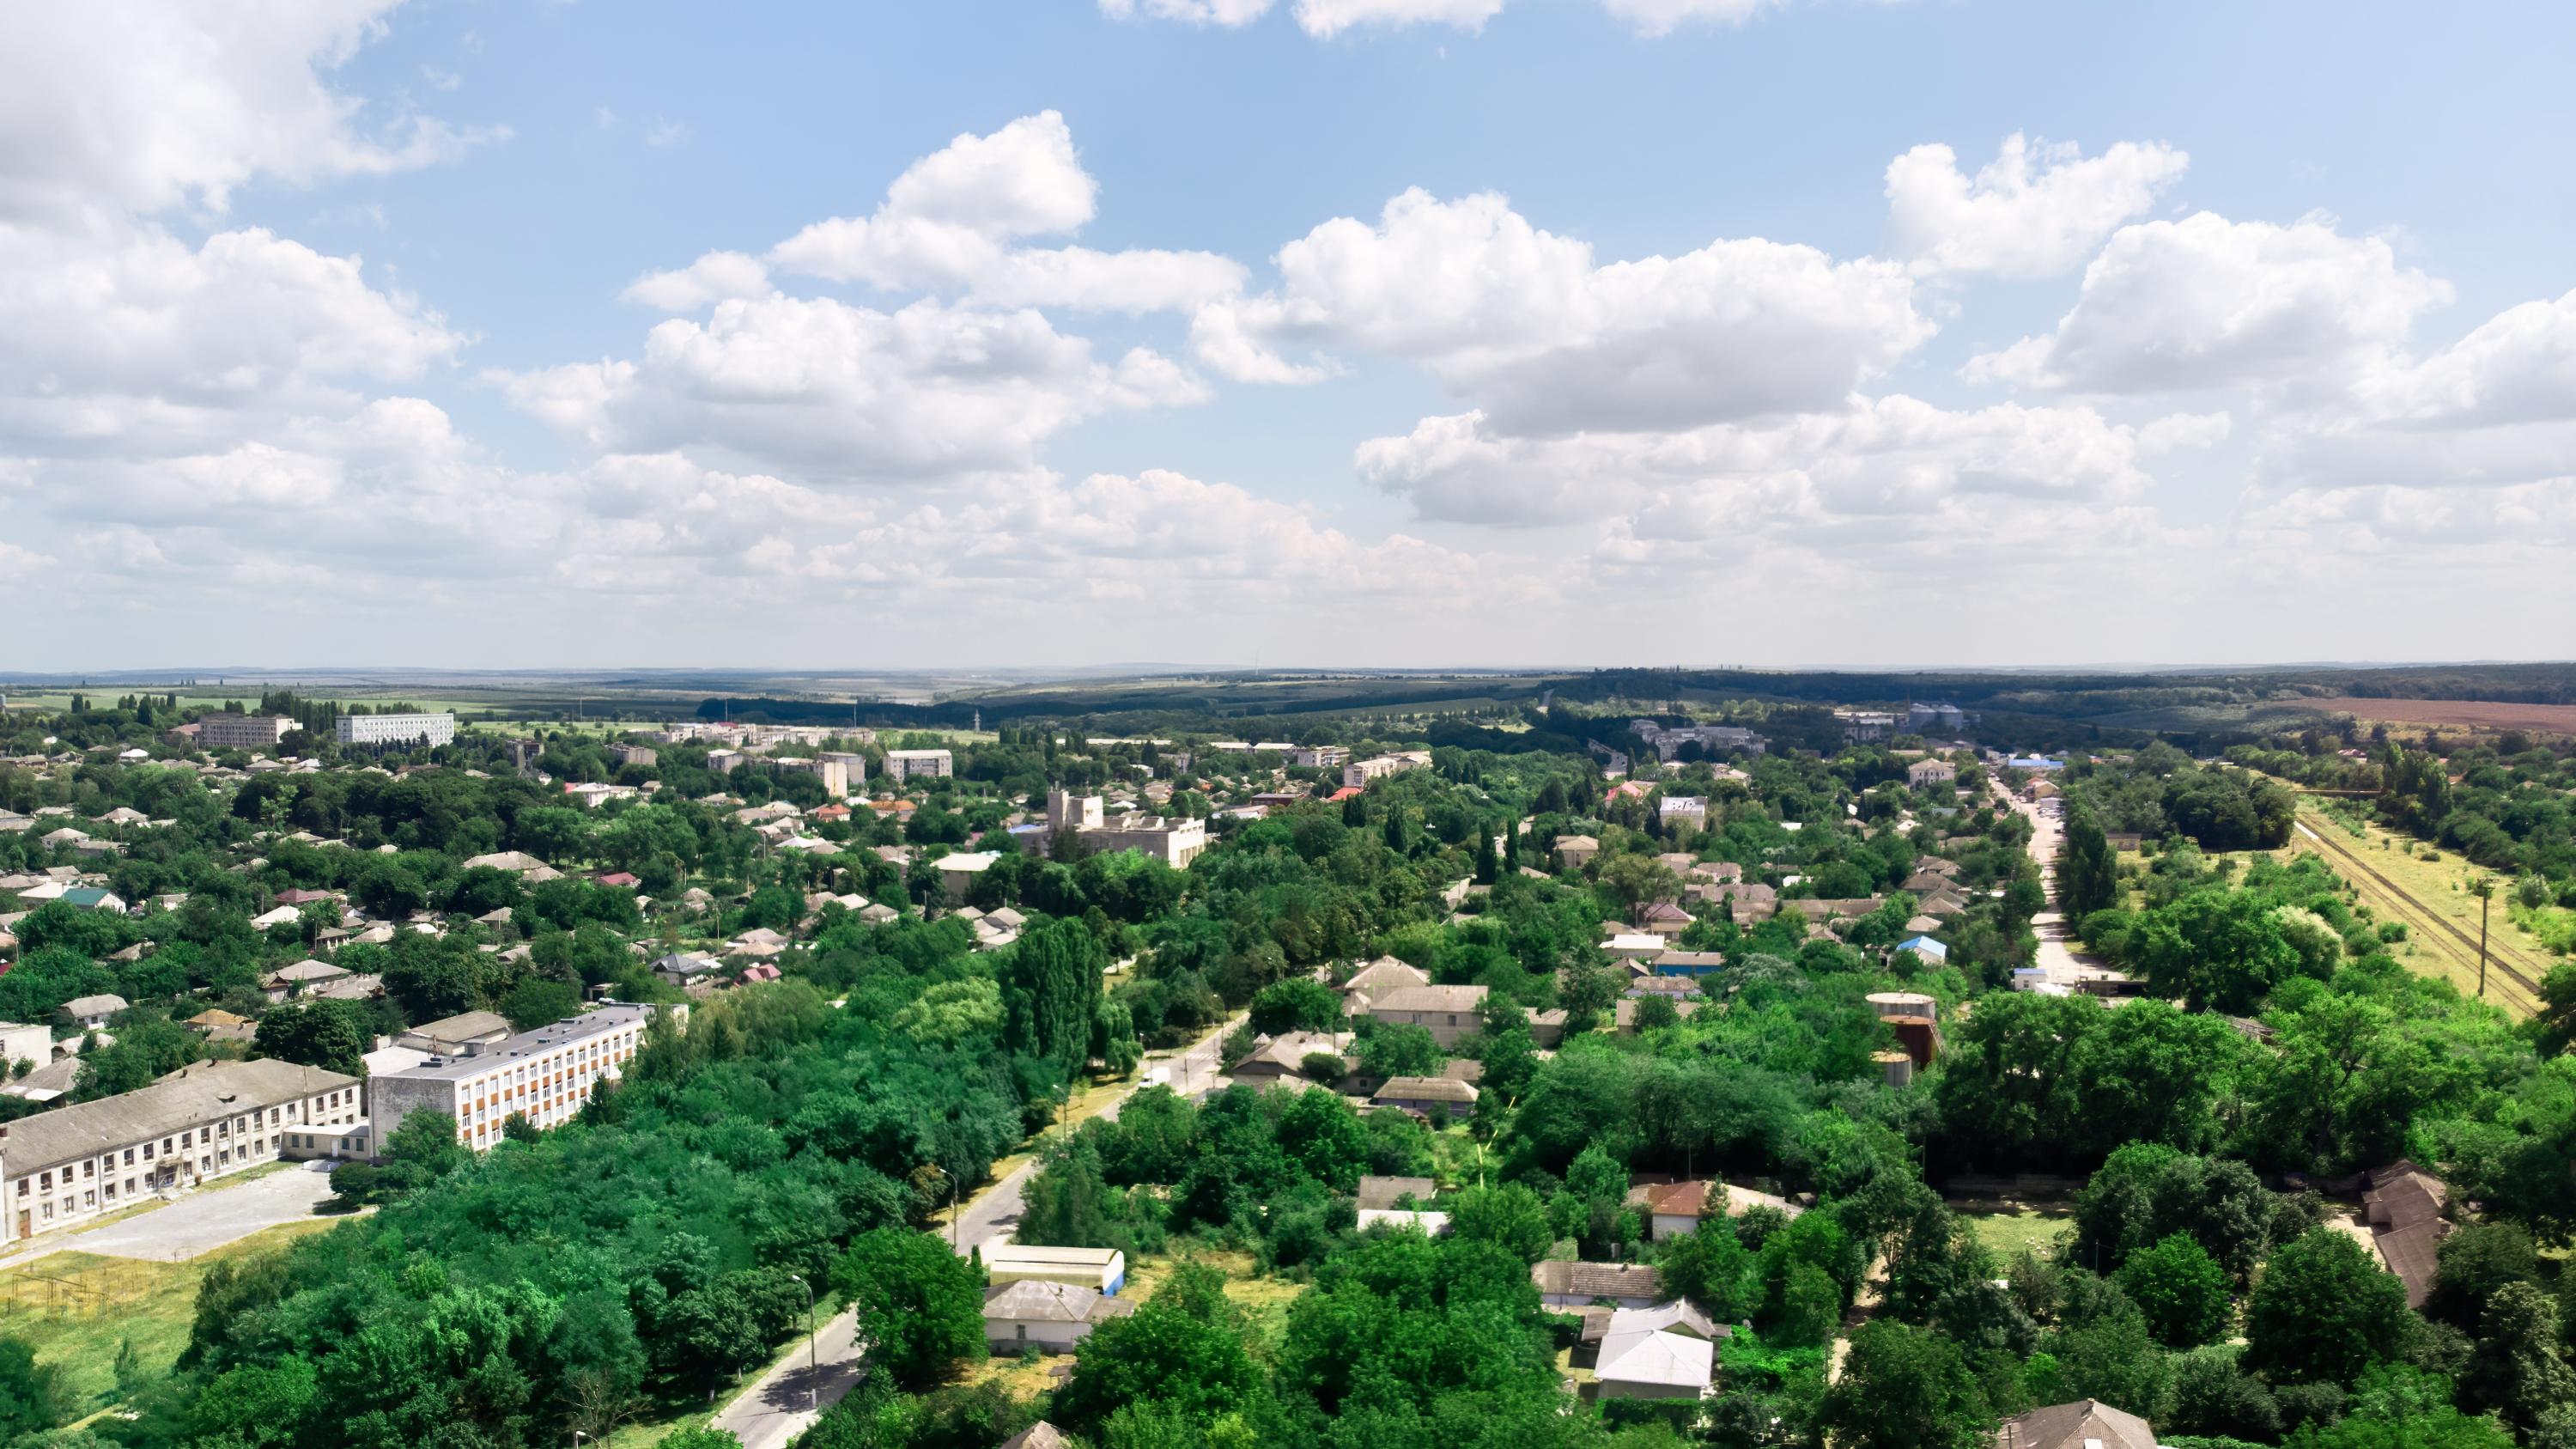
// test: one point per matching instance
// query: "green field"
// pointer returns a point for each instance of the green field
(2008, 1229)
(2427, 889)
(79, 1310)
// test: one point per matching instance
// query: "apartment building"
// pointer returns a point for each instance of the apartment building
(634, 754)
(907, 765)
(543, 1075)
(201, 1122)
(242, 731)
(832, 770)
(397, 729)
(1361, 772)
(1319, 757)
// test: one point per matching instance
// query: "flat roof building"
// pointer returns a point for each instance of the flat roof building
(397, 729)
(543, 1075)
(904, 765)
(242, 731)
(1102, 1270)
(200, 1122)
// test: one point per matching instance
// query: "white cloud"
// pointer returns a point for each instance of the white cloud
(141, 105)
(1228, 13)
(715, 277)
(127, 337)
(1874, 457)
(850, 392)
(1325, 19)
(1523, 324)
(2518, 367)
(2033, 211)
(951, 223)
(1662, 17)
(2206, 303)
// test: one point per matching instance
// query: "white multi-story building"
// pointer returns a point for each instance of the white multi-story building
(1360, 772)
(242, 731)
(397, 729)
(543, 1075)
(1068, 811)
(200, 1122)
(905, 765)
(832, 770)
(1175, 840)
(1319, 757)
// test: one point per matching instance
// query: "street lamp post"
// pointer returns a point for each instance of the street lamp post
(813, 1367)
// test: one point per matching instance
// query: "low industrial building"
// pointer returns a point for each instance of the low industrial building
(1102, 1270)
(200, 1122)
(1051, 1317)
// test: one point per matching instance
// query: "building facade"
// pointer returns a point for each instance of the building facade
(242, 731)
(201, 1122)
(543, 1075)
(1361, 772)
(903, 765)
(397, 729)
(829, 769)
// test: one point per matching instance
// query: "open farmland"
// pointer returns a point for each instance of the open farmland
(2481, 714)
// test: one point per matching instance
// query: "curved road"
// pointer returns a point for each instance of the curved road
(784, 1401)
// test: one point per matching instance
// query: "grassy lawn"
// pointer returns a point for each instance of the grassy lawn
(78, 1310)
(2011, 1227)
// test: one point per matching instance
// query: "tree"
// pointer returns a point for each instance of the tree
(1710, 1268)
(2181, 1290)
(2220, 950)
(1160, 1354)
(699, 1436)
(1510, 1216)
(538, 1002)
(920, 1304)
(1300, 1003)
(1400, 1049)
(598, 1362)
(143, 1053)
(2088, 873)
(2324, 1310)
(2518, 1369)
(331, 1034)
(1904, 1388)
(2478, 1261)
(31, 1397)
(1051, 990)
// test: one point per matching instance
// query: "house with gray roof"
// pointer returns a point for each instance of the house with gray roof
(200, 1122)
(1053, 1317)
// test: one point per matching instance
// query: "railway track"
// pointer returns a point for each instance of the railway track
(2498, 960)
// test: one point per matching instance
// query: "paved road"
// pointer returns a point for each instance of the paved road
(996, 1210)
(198, 1222)
(788, 1398)
(2047, 838)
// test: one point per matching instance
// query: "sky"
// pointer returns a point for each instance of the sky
(1808, 333)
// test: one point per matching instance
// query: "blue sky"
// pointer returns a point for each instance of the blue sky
(326, 351)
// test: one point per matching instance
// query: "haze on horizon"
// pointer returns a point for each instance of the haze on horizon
(1389, 332)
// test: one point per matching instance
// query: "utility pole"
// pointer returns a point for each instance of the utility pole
(813, 1372)
(2484, 889)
